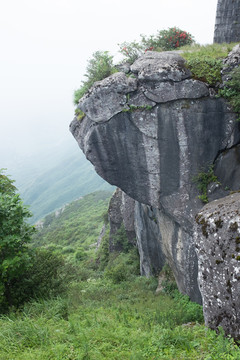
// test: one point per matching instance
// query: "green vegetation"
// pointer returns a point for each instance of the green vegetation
(205, 62)
(24, 273)
(120, 240)
(79, 114)
(164, 40)
(131, 51)
(99, 67)
(93, 304)
(231, 90)
(101, 64)
(137, 108)
(203, 179)
(15, 234)
(172, 39)
(75, 228)
(102, 320)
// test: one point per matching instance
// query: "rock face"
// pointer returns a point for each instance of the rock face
(227, 25)
(217, 238)
(97, 103)
(168, 130)
(160, 239)
(230, 63)
(121, 212)
(227, 168)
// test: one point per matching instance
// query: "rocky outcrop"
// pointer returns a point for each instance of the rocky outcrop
(227, 25)
(121, 212)
(167, 131)
(217, 239)
(97, 103)
(230, 63)
(160, 239)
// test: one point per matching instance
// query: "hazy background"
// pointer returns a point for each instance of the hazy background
(44, 48)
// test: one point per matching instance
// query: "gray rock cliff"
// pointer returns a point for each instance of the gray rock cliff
(121, 212)
(149, 134)
(227, 24)
(217, 238)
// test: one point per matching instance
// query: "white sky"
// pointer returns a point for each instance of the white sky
(45, 45)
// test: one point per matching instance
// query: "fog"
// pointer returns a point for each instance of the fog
(45, 46)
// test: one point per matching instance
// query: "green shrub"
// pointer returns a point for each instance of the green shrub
(205, 68)
(79, 113)
(25, 273)
(6, 184)
(122, 267)
(169, 284)
(174, 38)
(231, 90)
(47, 275)
(183, 312)
(131, 50)
(205, 62)
(80, 254)
(68, 250)
(15, 234)
(99, 67)
(203, 179)
(120, 240)
(52, 247)
(170, 39)
(103, 252)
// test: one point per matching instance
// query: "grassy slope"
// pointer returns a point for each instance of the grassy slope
(77, 226)
(100, 320)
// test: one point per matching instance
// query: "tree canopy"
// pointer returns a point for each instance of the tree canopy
(15, 234)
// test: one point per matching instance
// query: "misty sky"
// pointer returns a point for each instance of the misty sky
(45, 46)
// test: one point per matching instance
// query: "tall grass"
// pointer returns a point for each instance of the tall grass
(103, 320)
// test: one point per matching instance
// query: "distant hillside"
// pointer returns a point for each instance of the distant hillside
(76, 226)
(70, 179)
(55, 176)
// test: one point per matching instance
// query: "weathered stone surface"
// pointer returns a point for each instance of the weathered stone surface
(127, 209)
(162, 92)
(149, 241)
(233, 58)
(138, 99)
(124, 67)
(152, 154)
(121, 212)
(107, 97)
(227, 24)
(217, 239)
(160, 240)
(164, 147)
(230, 63)
(227, 168)
(163, 66)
